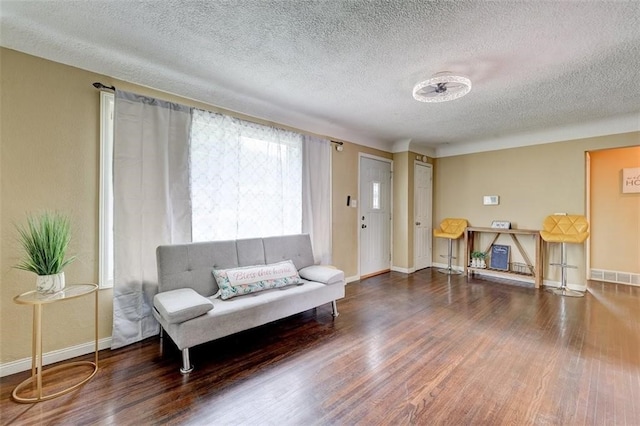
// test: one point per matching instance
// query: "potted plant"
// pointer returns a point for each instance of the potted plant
(477, 259)
(45, 240)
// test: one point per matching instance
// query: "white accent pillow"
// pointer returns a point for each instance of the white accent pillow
(181, 305)
(250, 279)
(322, 274)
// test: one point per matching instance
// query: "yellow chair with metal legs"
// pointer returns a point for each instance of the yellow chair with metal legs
(451, 229)
(565, 229)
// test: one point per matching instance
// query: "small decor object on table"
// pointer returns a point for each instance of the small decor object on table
(478, 259)
(521, 268)
(45, 240)
(500, 257)
(501, 224)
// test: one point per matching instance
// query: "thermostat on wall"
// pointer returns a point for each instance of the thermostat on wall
(491, 200)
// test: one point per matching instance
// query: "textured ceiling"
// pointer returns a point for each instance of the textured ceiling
(346, 68)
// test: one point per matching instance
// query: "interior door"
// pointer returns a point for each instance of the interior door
(375, 216)
(422, 202)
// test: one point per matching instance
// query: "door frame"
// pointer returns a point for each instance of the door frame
(587, 247)
(429, 166)
(362, 155)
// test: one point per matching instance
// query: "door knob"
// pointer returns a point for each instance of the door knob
(418, 223)
(364, 226)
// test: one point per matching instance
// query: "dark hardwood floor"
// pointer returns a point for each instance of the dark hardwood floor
(417, 349)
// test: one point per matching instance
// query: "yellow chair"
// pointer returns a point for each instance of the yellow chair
(451, 229)
(565, 229)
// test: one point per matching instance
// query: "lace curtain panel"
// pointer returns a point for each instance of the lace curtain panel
(246, 179)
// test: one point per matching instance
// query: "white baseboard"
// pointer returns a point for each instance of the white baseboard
(403, 270)
(352, 279)
(52, 357)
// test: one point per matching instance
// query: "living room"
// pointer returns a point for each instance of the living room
(51, 160)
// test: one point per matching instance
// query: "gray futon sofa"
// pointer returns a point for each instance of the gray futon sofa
(187, 305)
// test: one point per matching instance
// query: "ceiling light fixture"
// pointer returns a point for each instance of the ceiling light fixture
(442, 87)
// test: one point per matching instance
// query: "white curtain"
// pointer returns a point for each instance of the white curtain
(151, 204)
(246, 178)
(316, 196)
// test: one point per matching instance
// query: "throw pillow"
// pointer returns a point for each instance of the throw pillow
(181, 305)
(322, 274)
(250, 279)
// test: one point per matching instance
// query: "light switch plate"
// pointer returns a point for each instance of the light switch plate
(491, 200)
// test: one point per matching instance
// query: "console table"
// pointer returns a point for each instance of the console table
(37, 300)
(534, 267)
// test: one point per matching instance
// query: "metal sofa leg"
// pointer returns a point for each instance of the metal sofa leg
(334, 308)
(186, 364)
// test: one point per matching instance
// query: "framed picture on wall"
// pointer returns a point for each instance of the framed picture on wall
(631, 180)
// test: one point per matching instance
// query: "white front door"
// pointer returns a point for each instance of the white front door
(422, 198)
(375, 216)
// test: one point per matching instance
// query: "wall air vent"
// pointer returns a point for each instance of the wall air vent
(618, 277)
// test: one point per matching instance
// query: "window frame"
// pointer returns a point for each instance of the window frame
(106, 238)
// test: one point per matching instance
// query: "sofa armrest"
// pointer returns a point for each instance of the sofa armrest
(181, 305)
(322, 274)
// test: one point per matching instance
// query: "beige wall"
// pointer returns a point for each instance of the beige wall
(344, 176)
(532, 182)
(49, 136)
(402, 188)
(615, 238)
(403, 208)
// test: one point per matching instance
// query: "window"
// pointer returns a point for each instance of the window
(105, 268)
(375, 196)
(246, 179)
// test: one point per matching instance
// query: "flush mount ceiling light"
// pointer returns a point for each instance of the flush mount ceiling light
(442, 87)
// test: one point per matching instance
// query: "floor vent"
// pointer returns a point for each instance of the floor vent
(615, 277)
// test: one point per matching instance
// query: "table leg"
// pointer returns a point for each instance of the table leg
(38, 348)
(34, 321)
(96, 329)
(539, 265)
(466, 253)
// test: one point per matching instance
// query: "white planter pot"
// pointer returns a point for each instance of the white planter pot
(50, 283)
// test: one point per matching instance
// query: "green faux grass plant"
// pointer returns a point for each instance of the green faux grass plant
(45, 240)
